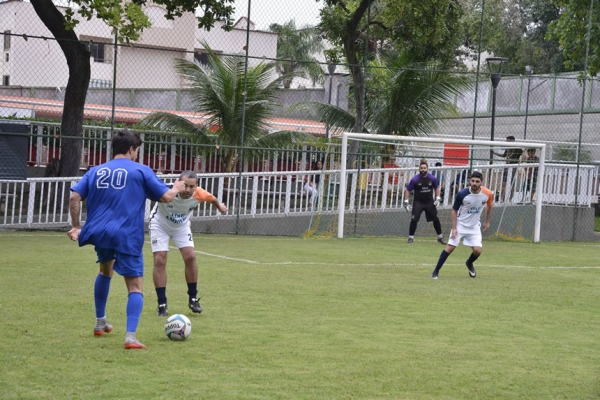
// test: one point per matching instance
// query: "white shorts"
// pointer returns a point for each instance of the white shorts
(471, 237)
(159, 237)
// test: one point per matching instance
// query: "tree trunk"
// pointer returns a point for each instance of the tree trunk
(78, 61)
(351, 49)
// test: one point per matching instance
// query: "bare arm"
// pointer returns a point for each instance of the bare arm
(220, 206)
(75, 209)
(406, 194)
(454, 218)
(169, 196)
(488, 215)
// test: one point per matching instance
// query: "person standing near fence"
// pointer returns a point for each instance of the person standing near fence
(512, 156)
(312, 184)
(116, 193)
(172, 222)
(423, 185)
(466, 222)
(532, 173)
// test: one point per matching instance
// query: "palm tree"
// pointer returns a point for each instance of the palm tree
(218, 92)
(295, 49)
(403, 98)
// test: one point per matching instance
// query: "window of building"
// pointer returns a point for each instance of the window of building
(100, 51)
(6, 80)
(201, 58)
(6, 40)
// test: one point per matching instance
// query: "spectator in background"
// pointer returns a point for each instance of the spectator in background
(512, 156)
(311, 187)
(459, 182)
(439, 175)
(532, 173)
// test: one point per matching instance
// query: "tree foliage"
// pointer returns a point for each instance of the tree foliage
(295, 50)
(127, 20)
(364, 28)
(516, 29)
(571, 32)
(232, 100)
(402, 98)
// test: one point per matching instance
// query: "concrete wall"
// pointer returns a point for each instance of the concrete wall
(262, 45)
(38, 62)
(517, 222)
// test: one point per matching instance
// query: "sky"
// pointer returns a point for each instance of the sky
(265, 12)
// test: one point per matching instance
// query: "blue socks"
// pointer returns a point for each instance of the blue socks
(135, 305)
(101, 289)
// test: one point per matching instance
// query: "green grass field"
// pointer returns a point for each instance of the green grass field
(287, 318)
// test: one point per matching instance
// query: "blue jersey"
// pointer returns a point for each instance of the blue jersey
(116, 195)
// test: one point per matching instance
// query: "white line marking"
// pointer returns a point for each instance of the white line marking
(351, 265)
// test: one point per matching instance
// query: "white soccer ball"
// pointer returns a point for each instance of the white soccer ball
(178, 327)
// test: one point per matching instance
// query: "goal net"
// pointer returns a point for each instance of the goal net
(372, 193)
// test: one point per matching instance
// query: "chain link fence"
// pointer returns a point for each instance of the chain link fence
(132, 82)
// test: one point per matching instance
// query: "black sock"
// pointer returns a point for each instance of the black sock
(412, 229)
(192, 290)
(442, 260)
(437, 225)
(472, 258)
(161, 294)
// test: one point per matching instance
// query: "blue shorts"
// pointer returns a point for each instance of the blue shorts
(125, 264)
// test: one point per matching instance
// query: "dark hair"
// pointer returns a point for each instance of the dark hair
(530, 150)
(188, 174)
(123, 140)
(476, 174)
(510, 138)
(423, 163)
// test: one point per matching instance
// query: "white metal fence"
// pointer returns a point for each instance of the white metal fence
(39, 202)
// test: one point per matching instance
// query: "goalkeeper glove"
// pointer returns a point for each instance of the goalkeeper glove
(407, 205)
(437, 201)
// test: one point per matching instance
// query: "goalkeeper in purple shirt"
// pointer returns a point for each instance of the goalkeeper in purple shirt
(116, 194)
(424, 185)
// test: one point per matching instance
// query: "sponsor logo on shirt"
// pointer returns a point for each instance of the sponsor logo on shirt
(177, 218)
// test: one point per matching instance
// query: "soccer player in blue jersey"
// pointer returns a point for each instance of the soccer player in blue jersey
(466, 222)
(116, 193)
(424, 185)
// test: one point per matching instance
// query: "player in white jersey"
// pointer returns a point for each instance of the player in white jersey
(172, 221)
(466, 222)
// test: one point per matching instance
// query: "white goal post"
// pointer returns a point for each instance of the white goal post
(439, 141)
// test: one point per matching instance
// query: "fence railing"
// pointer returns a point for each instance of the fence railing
(42, 202)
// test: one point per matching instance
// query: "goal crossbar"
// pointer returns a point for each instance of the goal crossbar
(400, 139)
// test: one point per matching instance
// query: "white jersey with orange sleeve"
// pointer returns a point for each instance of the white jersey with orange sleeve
(469, 207)
(177, 213)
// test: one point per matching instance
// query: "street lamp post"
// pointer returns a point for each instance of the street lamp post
(495, 65)
(331, 68)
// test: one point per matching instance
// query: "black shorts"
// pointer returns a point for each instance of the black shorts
(430, 212)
